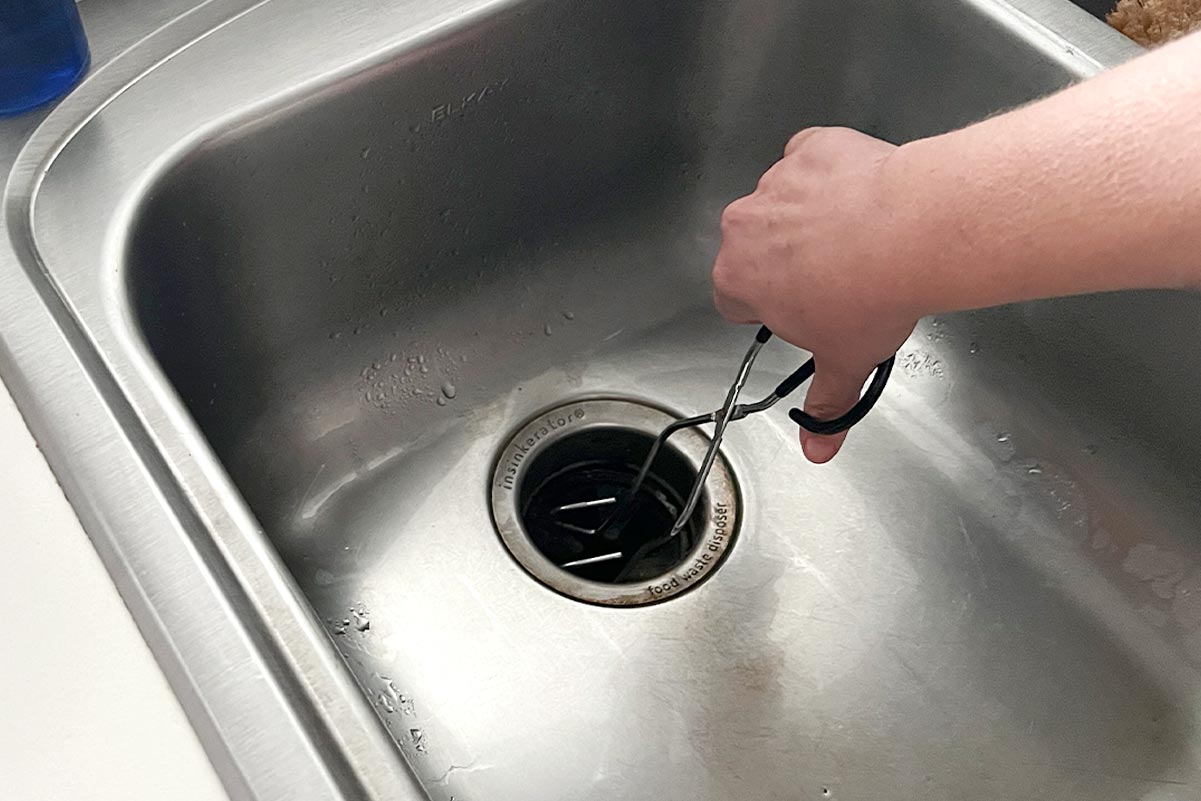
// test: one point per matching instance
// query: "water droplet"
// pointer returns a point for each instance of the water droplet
(1002, 438)
(335, 334)
(361, 622)
(974, 347)
(421, 359)
(546, 329)
(386, 703)
(1090, 449)
(449, 390)
(1035, 469)
(568, 315)
(425, 368)
(366, 152)
(418, 738)
(441, 401)
(383, 312)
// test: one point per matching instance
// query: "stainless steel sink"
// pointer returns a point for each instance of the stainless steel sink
(306, 270)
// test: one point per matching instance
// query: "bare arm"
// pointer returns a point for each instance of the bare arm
(848, 241)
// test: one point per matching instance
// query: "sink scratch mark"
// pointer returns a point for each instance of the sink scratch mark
(776, 453)
(807, 566)
(932, 695)
(973, 551)
(801, 615)
(617, 649)
(1108, 774)
(309, 491)
(616, 333)
(497, 626)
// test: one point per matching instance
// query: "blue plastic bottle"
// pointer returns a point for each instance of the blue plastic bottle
(43, 52)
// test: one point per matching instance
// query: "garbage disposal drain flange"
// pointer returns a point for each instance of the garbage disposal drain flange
(560, 477)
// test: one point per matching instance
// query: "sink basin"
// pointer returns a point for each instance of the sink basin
(329, 290)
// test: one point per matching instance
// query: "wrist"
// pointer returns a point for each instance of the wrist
(971, 227)
(917, 232)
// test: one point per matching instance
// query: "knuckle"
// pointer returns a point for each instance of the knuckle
(727, 290)
(723, 281)
(799, 139)
(723, 306)
(731, 217)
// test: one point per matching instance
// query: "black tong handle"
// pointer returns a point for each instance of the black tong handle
(857, 412)
(838, 424)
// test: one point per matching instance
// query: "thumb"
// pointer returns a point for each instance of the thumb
(832, 393)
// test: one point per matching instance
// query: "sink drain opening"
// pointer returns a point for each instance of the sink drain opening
(563, 475)
(574, 486)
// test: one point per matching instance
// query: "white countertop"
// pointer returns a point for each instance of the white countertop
(85, 712)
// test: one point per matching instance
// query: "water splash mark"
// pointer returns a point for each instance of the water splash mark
(454, 770)
(360, 620)
(999, 443)
(390, 384)
(1163, 570)
(919, 364)
(398, 701)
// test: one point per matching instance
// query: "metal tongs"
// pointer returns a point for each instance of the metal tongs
(730, 411)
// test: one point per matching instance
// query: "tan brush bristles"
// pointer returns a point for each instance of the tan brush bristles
(1154, 22)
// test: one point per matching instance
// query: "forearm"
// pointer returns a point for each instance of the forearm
(1097, 188)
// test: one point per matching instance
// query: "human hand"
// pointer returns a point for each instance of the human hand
(813, 254)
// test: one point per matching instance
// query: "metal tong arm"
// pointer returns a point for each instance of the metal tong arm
(730, 412)
(741, 410)
(722, 418)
